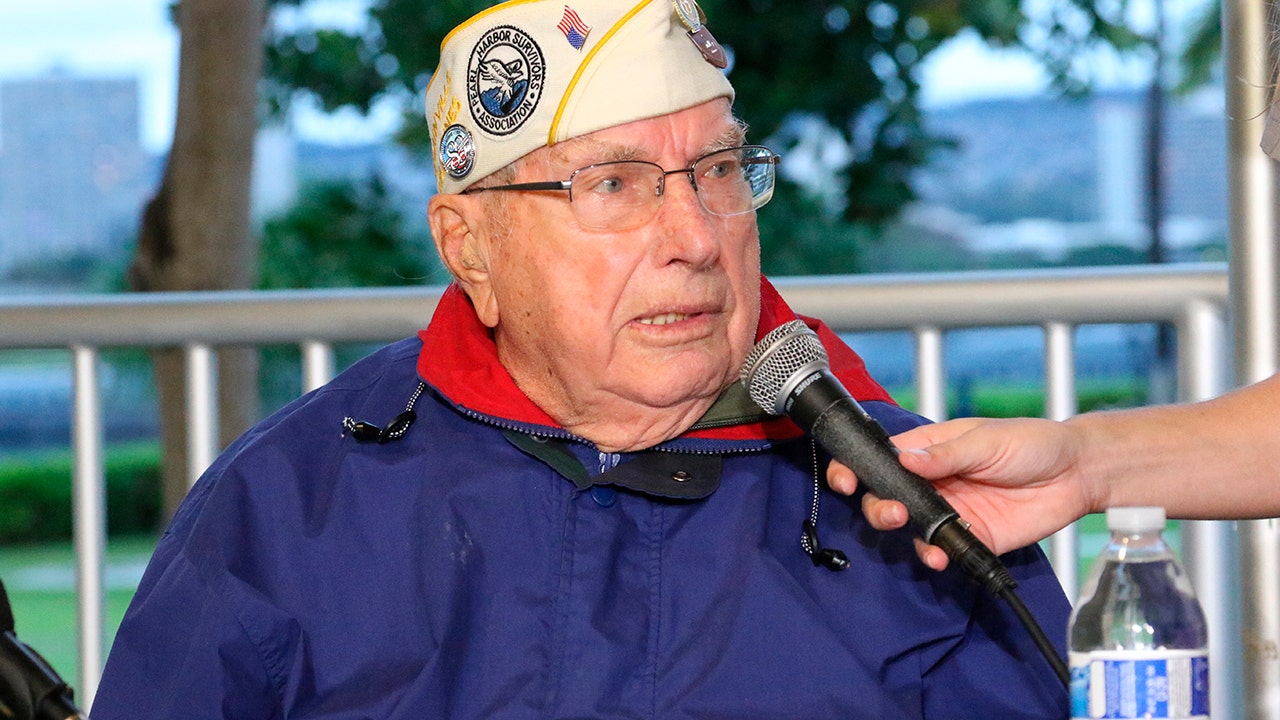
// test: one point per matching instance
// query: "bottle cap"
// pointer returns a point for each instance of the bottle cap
(1135, 519)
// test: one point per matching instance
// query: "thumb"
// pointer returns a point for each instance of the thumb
(921, 461)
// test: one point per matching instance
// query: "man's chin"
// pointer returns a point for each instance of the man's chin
(664, 388)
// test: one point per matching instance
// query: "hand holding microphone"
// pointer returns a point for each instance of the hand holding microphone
(1019, 480)
(788, 373)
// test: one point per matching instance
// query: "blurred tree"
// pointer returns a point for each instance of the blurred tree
(1203, 49)
(345, 234)
(852, 64)
(338, 234)
(1105, 254)
(194, 233)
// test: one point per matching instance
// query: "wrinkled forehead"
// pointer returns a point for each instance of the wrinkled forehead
(620, 143)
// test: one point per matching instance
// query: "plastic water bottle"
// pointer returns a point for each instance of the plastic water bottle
(1137, 637)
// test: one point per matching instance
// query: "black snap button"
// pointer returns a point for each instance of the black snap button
(680, 476)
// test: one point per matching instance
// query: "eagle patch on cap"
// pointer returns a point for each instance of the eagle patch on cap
(505, 77)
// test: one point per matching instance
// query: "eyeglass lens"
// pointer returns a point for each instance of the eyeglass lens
(624, 194)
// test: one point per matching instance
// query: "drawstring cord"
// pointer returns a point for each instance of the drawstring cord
(830, 558)
(368, 432)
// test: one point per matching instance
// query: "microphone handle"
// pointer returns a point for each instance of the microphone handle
(826, 411)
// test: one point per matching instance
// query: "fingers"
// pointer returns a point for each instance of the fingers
(841, 478)
(884, 514)
(930, 451)
(933, 557)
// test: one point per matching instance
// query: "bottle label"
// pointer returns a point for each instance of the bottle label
(1140, 684)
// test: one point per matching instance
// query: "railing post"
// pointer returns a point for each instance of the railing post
(1253, 218)
(1210, 549)
(89, 518)
(202, 409)
(1060, 404)
(931, 379)
(317, 364)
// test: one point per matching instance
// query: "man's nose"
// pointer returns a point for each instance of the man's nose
(689, 231)
(680, 197)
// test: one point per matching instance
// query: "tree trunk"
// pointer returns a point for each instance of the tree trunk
(195, 231)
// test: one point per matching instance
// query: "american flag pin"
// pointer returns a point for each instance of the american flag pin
(574, 29)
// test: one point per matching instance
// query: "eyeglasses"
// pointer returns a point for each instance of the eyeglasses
(626, 194)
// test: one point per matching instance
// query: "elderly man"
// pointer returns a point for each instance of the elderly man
(557, 502)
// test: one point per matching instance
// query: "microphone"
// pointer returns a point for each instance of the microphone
(29, 687)
(787, 373)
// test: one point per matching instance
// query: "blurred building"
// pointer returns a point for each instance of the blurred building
(73, 174)
(1049, 176)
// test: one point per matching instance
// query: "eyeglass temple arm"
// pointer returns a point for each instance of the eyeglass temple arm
(548, 185)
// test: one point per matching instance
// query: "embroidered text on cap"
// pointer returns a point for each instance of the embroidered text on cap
(505, 78)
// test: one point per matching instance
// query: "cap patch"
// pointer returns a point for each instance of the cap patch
(505, 78)
(574, 29)
(692, 18)
(445, 115)
(457, 152)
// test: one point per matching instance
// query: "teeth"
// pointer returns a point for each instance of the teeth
(663, 319)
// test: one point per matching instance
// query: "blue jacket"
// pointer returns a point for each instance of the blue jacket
(479, 566)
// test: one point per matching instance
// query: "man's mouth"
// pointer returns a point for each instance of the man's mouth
(664, 319)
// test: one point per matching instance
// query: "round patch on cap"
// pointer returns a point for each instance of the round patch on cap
(457, 151)
(505, 77)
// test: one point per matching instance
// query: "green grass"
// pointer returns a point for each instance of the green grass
(37, 562)
(40, 581)
(999, 399)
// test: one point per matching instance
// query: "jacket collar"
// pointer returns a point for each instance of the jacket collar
(460, 361)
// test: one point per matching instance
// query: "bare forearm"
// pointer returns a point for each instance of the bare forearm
(1215, 459)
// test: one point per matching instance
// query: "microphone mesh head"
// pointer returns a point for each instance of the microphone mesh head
(775, 361)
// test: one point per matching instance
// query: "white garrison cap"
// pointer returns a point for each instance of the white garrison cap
(526, 74)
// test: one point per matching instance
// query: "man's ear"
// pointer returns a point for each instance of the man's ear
(461, 237)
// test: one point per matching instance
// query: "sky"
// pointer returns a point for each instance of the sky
(123, 38)
(98, 38)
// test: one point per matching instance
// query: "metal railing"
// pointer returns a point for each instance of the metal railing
(1192, 298)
